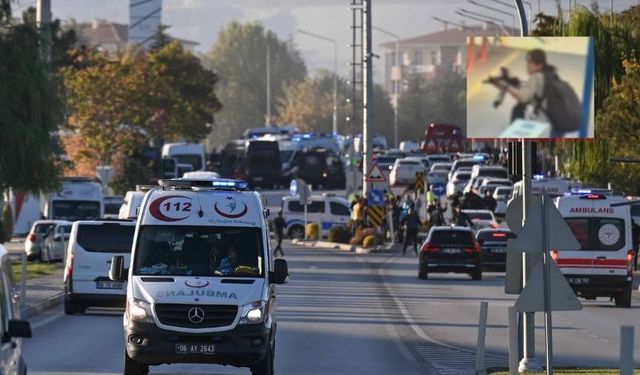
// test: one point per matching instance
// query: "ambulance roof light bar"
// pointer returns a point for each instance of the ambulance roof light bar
(584, 191)
(200, 184)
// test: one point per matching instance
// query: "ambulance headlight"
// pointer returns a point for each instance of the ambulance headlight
(139, 311)
(253, 313)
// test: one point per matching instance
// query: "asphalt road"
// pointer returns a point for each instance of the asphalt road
(343, 313)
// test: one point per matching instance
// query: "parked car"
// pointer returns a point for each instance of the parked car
(34, 242)
(450, 249)
(12, 329)
(404, 171)
(55, 243)
(446, 167)
(482, 218)
(493, 243)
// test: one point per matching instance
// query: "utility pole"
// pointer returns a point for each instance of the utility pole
(367, 98)
(43, 19)
(268, 117)
(396, 88)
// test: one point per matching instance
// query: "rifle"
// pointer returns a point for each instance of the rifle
(504, 76)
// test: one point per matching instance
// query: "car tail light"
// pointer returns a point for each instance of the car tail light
(69, 269)
(32, 237)
(428, 248)
(630, 263)
(499, 235)
(554, 255)
(474, 249)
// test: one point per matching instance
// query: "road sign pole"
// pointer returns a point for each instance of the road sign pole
(548, 336)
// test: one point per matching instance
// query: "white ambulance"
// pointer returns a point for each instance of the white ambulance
(602, 267)
(201, 280)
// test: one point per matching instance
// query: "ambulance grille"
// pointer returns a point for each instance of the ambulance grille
(177, 315)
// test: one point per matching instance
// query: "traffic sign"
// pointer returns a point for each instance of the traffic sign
(293, 188)
(398, 190)
(438, 189)
(529, 239)
(375, 198)
(419, 184)
(375, 213)
(561, 296)
(375, 174)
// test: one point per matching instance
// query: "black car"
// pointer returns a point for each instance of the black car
(493, 243)
(450, 249)
(319, 167)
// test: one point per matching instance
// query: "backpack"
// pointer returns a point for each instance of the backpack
(563, 105)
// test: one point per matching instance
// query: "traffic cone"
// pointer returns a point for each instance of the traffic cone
(484, 50)
(470, 55)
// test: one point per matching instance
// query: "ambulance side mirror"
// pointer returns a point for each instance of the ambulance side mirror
(116, 272)
(280, 273)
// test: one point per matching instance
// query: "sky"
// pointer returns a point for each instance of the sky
(201, 20)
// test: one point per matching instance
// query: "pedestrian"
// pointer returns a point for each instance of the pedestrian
(489, 201)
(395, 215)
(357, 215)
(411, 223)
(462, 219)
(549, 98)
(279, 224)
(430, 196)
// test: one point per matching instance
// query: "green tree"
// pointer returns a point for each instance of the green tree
(160, 38)
(239, 57)
(30, 109)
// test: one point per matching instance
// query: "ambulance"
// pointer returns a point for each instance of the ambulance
(602, 267)
(201, 279)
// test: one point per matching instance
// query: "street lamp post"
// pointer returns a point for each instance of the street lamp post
(335, 74)
(397, 83)
(466, 15)
(485, 18)
(513, 17)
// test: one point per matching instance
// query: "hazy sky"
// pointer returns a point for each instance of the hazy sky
(201, 20)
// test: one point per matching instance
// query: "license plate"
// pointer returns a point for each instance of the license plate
(499, 250)
(195, 349)
(103, 284)
(451, 251)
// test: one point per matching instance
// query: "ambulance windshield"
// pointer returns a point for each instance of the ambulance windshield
(199, 251)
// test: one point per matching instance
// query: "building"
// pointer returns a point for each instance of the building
(431, 54)
(112, 37)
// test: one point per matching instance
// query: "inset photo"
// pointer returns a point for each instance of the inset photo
(530, 87)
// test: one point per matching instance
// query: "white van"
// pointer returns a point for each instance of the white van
(92, 244)
(80, 198)
(327, 210)
(603, 266)
(201, 280)
(185, 153)
(132, 202)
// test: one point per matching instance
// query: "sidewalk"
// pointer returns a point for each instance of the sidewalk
(42, 293)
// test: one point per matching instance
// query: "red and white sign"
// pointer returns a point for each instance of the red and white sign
(171, 208)
(375, 174)
(231, 208)
(398, 190)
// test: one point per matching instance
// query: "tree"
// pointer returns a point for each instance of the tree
(30, 109)
(119, 103)
(239, 58)
(160, 38)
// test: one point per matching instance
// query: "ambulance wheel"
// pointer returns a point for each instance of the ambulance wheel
(296, 231)
(133, 367)
(624, 298)
(265, 366)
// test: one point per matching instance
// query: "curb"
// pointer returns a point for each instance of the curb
(41, 306)
(344, 247)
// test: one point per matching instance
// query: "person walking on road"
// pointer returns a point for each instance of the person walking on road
(489, 201)
(279, 225)
(412, 224)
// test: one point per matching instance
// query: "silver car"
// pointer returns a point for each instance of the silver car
(40, 229)
(55, 244)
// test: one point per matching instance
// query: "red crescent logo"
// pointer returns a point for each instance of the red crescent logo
(154, 209)
(231, 216)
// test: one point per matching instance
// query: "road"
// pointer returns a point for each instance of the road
(343, 313)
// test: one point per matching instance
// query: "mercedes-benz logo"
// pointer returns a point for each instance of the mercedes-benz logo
(196, 315)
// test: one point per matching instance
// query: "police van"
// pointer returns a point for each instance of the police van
(201, 279)
(602, 267)
(327, 210)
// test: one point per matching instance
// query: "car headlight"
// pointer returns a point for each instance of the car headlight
(140, 311)
(253, 313)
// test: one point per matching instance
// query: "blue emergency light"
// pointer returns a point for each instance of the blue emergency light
(587, 191)
(478, 157)
(538, 177)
